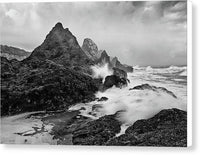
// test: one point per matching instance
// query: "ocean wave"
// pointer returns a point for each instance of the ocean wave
(183, 73)
(177, 67)
(149, 68)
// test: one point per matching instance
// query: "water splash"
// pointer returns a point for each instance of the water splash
(101, 71)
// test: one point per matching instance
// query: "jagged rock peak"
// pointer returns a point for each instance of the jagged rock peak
(115, 58)
(61, 46)
(91, 49)
(89, 45)
(58, 36)
(58, 26)
(104, 53)
(104, 58)
(89, 41)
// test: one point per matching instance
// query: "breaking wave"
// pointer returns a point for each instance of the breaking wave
(101, 71)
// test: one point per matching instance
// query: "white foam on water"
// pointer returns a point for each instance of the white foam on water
(138, 104)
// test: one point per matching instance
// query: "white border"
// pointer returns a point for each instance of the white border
(189, 73)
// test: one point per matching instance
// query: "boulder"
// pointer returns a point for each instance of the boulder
(102, 99)
(167, 128)
(120, 73)
(114, 80)
(97, 107)
(97, 132)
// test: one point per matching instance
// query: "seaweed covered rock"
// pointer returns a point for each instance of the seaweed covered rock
(9, 67)
(97, 132)
(167, 128)
(48, 87)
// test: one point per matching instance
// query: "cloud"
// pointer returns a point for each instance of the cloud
(133, 31)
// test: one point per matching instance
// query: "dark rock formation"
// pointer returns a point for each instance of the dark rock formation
(167, 128)
(117, 64)
(13, 53)
(97, 107)
(48, 87)
(120, 73)
(102, 99)
(114, 80)
(153, 88)
(101, 57)
(61, 47)
(91, 49)
(113, 63)
(53, 77)
(97, 132)
(9, 66)
(104, 58)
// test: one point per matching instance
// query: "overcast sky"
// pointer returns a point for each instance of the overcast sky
(138, 33)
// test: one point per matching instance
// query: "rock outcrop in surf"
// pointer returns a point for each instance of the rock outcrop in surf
(153, 88)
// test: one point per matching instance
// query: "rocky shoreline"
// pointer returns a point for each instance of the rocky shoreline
(58, 75)
(167, 128)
